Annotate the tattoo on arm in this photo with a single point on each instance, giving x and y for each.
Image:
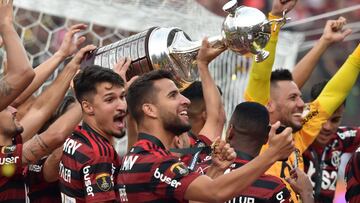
(5, 88)
(42, 143)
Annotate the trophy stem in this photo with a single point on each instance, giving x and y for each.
(183, 45)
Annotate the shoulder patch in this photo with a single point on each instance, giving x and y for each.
(179, 169)
(8, 149)
(103, 181)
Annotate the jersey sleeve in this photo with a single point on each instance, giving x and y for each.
(170, 179)
(98, 183)
(258, 88)
(341, 83)
(328, 101)
(281, 195)
(11, 160)
(314, 117)
(350, 137)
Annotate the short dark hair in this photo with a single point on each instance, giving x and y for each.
(251, 119)
(195, 91)
(142, 90)
(86, 80)
(280, 75)
(317, 89)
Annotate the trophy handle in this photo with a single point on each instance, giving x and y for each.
(279, 21)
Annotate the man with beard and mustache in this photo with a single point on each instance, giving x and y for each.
(281, 95)
(19, 145)
(150, 172)
(89, 160)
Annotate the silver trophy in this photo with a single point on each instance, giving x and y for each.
(245, 30)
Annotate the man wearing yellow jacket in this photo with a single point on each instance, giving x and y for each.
(283, 99)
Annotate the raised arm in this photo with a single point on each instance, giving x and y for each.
(51, 165)
(215, 113)
(49, 100)
(260, 73)
(338, 88)
(19, 72)
(53, 137)
(231, 184)
(44, 70)
(333, 32)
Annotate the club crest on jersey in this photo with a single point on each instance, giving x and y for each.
(103, 181)
(335, 158)
(8, 149)
(179, 169)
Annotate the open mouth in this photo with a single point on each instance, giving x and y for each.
(119, 120)
(297, 115)
(184, 114)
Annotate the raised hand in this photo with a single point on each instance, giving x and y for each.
(70, 44)
(76, 60)
(301, 184)
(223, 155)
(6, 14)
(207, 53)
(334, 32)
(121, 67)
(279, 6)
(282, 143)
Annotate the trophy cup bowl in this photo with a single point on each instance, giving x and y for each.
(246, 30)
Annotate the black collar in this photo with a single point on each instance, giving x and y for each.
(243, 156)
(86, 127)
(151, 138)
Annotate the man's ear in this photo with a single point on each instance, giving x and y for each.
(150, 110)
(177, 142)
(87, 107)
(229, 133)
(270, 106)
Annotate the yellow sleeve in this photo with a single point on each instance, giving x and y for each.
(315, 117)
(258, 87)
(328, 101)
(341, 83)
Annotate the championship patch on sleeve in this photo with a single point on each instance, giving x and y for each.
(179, 169)
(8, 149)
(104, 182)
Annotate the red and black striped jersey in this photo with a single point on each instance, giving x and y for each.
(322, 163)
(266, 189)
(12, 185)
(352, 176)
(39, 190)
(150, 173)
(88, 167)
(201, 158)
